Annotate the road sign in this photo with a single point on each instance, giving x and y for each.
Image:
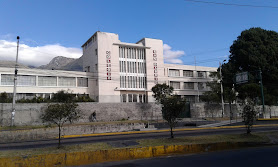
(242, 78)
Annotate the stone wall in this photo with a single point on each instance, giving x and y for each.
(203, 110)
(52, 132)
(29, 113)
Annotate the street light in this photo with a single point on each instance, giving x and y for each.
(15, 83)
(221, 81)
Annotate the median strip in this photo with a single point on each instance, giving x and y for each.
(163, 130)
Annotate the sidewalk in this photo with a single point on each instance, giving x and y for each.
(222, 123)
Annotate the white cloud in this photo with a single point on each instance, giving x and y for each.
(172, 56)
(36, 56)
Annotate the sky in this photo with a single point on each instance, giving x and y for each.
(189, 30)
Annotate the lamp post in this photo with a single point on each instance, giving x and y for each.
(221, 85)
(15, 83)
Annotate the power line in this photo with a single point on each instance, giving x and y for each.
(232, 4)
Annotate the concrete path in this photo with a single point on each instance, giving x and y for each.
(222, 123)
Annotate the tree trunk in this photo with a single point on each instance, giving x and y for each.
(231, 112)
(59, 144)
(172, 135)
(248, 130)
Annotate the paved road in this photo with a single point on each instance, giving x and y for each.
(94, 139)
(250, 157)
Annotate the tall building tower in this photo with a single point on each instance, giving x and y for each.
(123, 72)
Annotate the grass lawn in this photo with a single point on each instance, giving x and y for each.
(254, 137)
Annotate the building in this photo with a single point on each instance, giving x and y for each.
(44, 83)
(113, 72)
(126, 72)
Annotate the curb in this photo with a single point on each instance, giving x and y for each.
(100, 156)
(267, 119)
(164, 130)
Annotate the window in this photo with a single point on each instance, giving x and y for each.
(189, 98)
(187, 73)
(130, 98)
(82, 82)
(188, 85)
(87, 69)
(7, 79)
(47, 81)
(96, 52)
(26, 80)
(140, 98)
(124, 98)
(134, 97)
(175, 85)
(66, 81)
(174, 73)
(201, 74)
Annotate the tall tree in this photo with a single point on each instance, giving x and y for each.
(254, 49)
(161, 91)
(172, 108)
(172, 105)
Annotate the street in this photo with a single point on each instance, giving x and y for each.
(249, 157)
(109, 138)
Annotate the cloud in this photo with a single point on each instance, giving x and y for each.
(172, 56)
(35, 56)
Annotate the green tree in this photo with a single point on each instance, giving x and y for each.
(59, 114)
(214, 94)
(4, 98)
(249, 116)
(161, 91)
(63, 96)
(172, 105)
(172, 108)
(254, 49)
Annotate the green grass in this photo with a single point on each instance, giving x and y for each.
(254, 137)
(55, 150)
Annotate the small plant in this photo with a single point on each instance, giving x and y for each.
(249, 116)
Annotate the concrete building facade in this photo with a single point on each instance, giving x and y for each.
(126, 72)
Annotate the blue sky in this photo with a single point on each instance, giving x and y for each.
(59, 27)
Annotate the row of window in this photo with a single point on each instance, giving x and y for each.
(30, 80)
(132, 67)
(141, 98)
(132, 53)
(187, 73)
(187, 85)
(132, 82)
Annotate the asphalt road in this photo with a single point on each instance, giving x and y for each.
(250, 157)
(122, 137)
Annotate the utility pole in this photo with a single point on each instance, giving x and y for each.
(222, 100)
(15, 83)
(262, 89)
(196, 73)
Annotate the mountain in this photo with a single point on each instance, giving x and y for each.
(11, 64)
(57, 63)
(64, 63)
